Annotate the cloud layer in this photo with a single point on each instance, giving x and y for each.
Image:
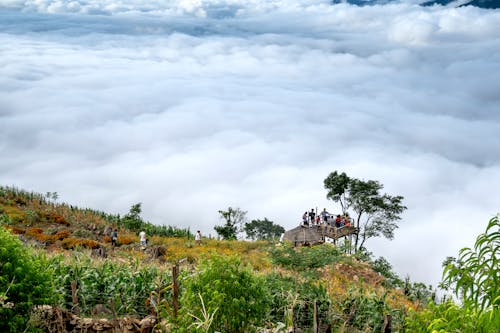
(193, 106)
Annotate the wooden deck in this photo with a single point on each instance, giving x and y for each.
(304, 235)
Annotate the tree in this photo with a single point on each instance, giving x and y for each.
(235, 218)
(384, 268)
(133, 220)
(376, 214)
(263, 229)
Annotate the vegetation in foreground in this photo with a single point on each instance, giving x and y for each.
(225, 286)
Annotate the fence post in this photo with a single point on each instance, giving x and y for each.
(74, 297)
(315, 317)
(175, 288)
(387, 326)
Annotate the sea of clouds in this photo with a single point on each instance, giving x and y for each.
(194, 106)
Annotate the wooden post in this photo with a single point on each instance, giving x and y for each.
(315, 317)
(74, 296)
(175, 289)
(350, 243)
(387, 326)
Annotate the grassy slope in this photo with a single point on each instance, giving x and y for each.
(61, 228)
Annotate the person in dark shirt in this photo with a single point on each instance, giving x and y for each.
(312, 216)
(114, 237)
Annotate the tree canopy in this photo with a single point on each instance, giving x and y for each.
(263, 229)
(235, 218)
(133, 219)
(375, 214)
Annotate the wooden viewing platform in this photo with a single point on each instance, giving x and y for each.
(305, 235)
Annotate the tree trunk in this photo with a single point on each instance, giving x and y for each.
(356, 236)
(362, 241)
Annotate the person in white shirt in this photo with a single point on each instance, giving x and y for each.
(197, 237)
(142, 238)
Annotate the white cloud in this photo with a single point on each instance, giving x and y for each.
(194, 106)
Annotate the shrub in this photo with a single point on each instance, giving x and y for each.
(302, 258)
(16, 230)
(24, 282)
(62, 234)
(59, 219)
(450, 317)
(229, 296)
(44, 238)
(125, 240)
(71, 243)
(34, 231)
(474, 277)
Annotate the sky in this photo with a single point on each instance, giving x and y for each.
(190, 107)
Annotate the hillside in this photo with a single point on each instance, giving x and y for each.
(486, 4)
(301, 288)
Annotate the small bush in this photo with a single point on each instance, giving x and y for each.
(233, 296)
(82, 233)
(62, 234)
(17, 231)
(126, 240)
(44, 238)
(34, 231)
(25, 281)
(450, 317)
(71, 243)
(303, 258)
(59, 219)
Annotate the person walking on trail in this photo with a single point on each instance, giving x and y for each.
(197, 237)
(114, 237)
(142, 238)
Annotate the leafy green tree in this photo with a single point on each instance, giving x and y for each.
(25, 281)
(475, 275)
(376, 214)
(263, 229)
(384, 268)
(223, 296)
(235, 218)
(133, 220)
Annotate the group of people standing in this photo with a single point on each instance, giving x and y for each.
(324, 218)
